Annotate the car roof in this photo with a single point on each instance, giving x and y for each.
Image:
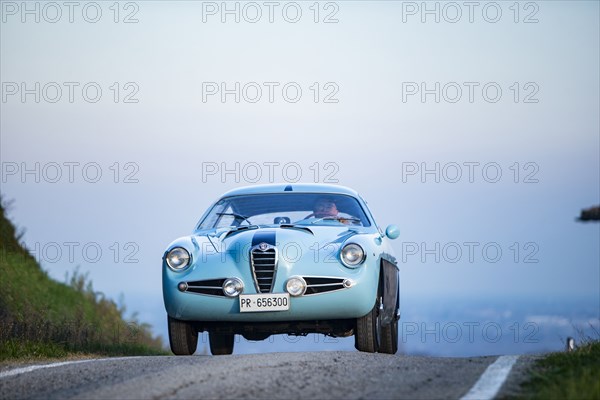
(292, 188)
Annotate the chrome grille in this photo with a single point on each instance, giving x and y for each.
(264, 266)
(212, 287)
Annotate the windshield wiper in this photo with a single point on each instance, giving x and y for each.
(236, 216)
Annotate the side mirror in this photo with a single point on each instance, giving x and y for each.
(392, 232)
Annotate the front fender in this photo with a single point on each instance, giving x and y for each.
(391, 294)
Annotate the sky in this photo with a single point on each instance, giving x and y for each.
(473, 127)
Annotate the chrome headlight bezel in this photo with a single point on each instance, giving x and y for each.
(239, 287)
(183, 253)
(302, 284)
(358, 260)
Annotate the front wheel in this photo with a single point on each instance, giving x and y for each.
(183, 338)
(389, 337)
(365, 336)
(220, 343)
(371, 336)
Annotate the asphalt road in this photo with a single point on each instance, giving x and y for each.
(343, 375)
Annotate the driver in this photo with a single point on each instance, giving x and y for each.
(324, 207)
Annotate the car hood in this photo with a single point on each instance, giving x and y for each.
(313, 237)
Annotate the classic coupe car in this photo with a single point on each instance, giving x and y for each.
(283, 259)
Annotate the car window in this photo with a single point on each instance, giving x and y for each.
(286, 208)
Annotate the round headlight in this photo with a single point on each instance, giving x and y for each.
(232, 287)
(295, 286)
(352, 255)
(178, 258)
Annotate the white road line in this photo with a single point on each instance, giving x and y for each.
(19, 371)
(491, 380)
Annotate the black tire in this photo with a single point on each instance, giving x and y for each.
(183, 338)
(365, 336)
(389, 338)
(220, 343)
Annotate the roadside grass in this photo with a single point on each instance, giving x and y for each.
(41, 318)
(573, 375)
(14, 349)
(17, 349)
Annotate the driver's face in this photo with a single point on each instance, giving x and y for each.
(325, 208)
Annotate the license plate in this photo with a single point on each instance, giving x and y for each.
(264, 302)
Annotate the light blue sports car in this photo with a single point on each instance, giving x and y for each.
(283, 259)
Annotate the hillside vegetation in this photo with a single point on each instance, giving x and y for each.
(43, 318)
(574, 375)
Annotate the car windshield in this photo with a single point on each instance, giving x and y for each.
(285, 208)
